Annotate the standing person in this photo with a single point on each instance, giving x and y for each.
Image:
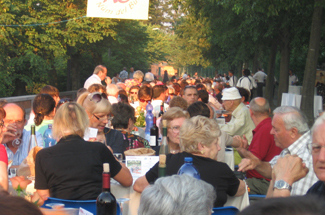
(136, 81)
(116, 78)
(97, 77)
(149, 76)
(293, 80)
(123, 75)
(72, 169)
(165, 77)
(44, 109)
(131, 73)
(260, 78)
(246, 82)
(232, 79)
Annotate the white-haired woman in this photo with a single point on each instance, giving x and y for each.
(72, 169)
(199, 139)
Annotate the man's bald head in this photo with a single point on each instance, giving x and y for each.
(14, 108)
(260, 106)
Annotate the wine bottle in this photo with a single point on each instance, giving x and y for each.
(188, 168)
(154, 133)
(106, 202)
(164, 150)
(48, 138)
(32, 139)
(161, 109)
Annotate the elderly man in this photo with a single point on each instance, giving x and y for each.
(136, 81)
(16, 115)
(292, 168)
(112, 92)
(190, 94)
(98, 76)
(291, 133)
(241, 122)
(262, 145)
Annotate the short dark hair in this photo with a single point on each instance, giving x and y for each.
(204, 96)
(200, 87)
(145, 91)
(244, 92)
(177, 88)
(198, 109)
(43, 105)
(157, 90)
(122, 113)
(246, 72)
(52, 91)
(294, 205)
(178, 101)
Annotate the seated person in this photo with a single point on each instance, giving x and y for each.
(169, 196)
(72, 169)
(123, 121)
(199, 139)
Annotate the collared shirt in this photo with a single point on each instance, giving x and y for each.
(240, 123)
(131, 75)
(299, 147)
(245, 82)
(260, 77)
(123, 75)
(233, 81)
(23, 151)
(94, 79)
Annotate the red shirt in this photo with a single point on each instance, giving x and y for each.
(3, 154)
(263, 145)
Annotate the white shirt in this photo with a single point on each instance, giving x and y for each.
(123, 75)
(292, 79)
(233, 81)
(94, 79)
(112, 99)
(185, 76)
(215, 102)
(299, 147)
(245, 82)
(156, 106)
(260, 77)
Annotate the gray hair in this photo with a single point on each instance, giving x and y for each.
(112, 90)
(293, 118)
(319, 121)
(99, 68)
(138, 75)
(261, 109)
(177, 194)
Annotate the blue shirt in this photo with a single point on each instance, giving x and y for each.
(22, 151)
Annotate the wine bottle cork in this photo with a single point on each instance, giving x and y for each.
(106, 167)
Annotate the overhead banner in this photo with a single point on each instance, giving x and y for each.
(119, 9)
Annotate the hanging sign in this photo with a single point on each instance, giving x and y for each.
(119, 9)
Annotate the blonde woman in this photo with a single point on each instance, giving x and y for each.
(199, 139)
(73, 168)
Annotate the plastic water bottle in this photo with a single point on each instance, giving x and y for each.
(189, 169)
(48, 138)
(149, 120)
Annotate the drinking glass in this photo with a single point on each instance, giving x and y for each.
(121, 201)
(17, 141)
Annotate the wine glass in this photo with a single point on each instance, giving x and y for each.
(17, 141)
(120, 202)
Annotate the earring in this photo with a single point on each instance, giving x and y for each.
(202, 152)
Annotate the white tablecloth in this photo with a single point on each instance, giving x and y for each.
(290, 99)
(295, 90)
(229, 159)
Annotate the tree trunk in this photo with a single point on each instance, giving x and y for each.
(284, 65)
(75, 71)
(307, 102)
(69, 68)
(270, 86)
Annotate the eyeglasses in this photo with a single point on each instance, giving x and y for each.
(175, 129)
(143, 100)
(133, 92)
(97, 97)
(314, 148)
(103, 118)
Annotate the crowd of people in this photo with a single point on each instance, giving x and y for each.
(274, 153)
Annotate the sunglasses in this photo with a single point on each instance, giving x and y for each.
(97, 97)
(146, 101)
(64, 100)
(133, 92)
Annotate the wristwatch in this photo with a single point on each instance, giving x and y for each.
(282, 185)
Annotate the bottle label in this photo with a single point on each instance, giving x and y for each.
(152, 141)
